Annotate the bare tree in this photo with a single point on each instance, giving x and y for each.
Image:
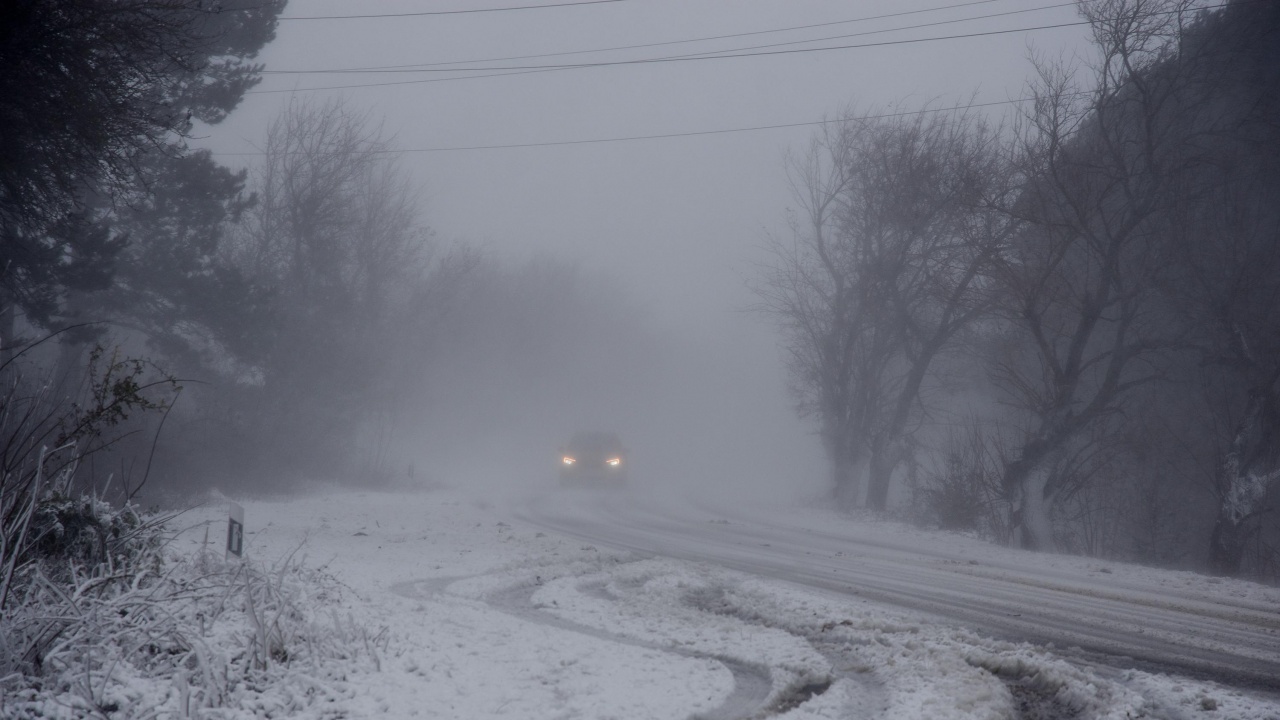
(1240, 305)
(1098, 165)
(927, 188)
(886, 269)
(1225, 235)
(334, 205)
(810, 288)
(337, 232)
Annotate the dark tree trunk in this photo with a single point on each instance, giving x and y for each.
(1016, 476)
(8, 330)
(1226, 546)
(884, 461)
(1029, 500)
(846, 477)
(847, 493)
(891, 451)
(1252, 465)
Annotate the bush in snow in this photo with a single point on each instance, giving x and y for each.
(170, 636)
(46, 433)
(963, 491)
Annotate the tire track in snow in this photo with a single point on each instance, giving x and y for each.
(752, 683)
(1234, 645)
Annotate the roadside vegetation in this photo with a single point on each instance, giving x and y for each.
(1057, 328)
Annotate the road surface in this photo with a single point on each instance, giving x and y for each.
(1105, 615)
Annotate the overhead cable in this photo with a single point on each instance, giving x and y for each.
(447, 12)
(708, 38)
(668, 136)
(519, 69)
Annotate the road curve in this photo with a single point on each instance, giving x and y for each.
(1102, 619)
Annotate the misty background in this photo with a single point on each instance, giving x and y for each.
(986, 266)
(673, 228)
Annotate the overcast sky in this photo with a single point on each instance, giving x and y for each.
(677, 221)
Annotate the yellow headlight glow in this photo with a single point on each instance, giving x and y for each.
(568, 460)
(614, 462)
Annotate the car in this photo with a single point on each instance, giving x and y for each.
(593, 458)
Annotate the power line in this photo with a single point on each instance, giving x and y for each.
(864, 33)
(449, 12)
(432, 67)
(687, 58)
(401, 82)
(668, 136)
(711, 55)
(641, 46)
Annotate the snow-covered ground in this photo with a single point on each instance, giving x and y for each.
(439, 604)
(1120, 615)
(457, 608)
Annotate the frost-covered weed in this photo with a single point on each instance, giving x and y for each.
(158, 635)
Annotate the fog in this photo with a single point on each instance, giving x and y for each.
(673, 226)
(694, 418)
(921, 325)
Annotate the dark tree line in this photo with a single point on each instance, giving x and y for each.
(106, 220)
(359, 342)
(1062, 331)
(297, 321)
(96, 97)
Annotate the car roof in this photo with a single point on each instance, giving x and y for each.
(595, 438)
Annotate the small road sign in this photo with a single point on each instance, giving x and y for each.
(235, 530)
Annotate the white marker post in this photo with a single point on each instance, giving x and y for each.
(235, 530)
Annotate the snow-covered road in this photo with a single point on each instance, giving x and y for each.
(475, 604)
(1094, 612)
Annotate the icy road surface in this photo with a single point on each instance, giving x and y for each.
(1096, 612)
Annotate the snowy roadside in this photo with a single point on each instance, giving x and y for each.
(452, 610)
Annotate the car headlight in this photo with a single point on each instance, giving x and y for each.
(614, 461)
(568, 460)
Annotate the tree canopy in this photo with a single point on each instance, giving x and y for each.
(90, 91)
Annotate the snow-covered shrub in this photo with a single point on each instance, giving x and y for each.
(169, 636)
(46, 432)
(88, 532)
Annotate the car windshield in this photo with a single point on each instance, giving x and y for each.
(595, 442)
